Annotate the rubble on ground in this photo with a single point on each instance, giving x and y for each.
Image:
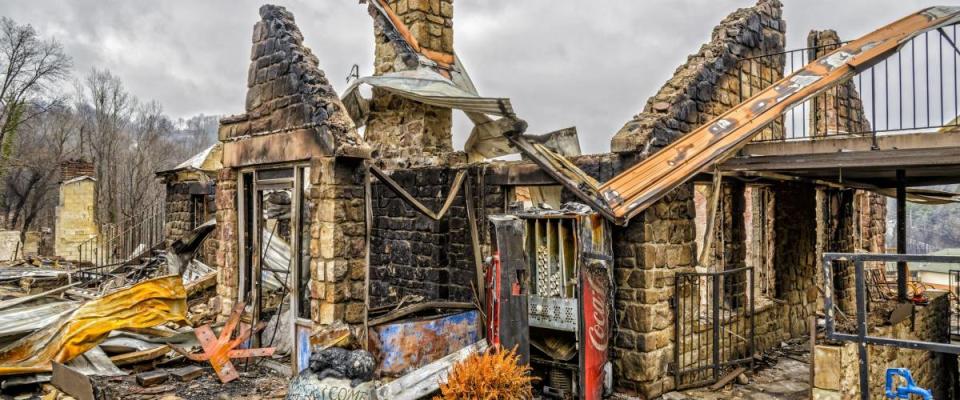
(75, 330)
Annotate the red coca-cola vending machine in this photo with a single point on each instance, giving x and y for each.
(549, 290)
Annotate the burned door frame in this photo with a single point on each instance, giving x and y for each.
(296, 183)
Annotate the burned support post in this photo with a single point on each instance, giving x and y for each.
(901, 234)
(509, 315)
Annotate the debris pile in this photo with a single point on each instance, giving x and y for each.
(127, 330)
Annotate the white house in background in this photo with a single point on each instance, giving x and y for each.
(936, 274)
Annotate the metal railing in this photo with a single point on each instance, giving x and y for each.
(117, 244)
(861, 337)
(954, 302)
(916, 89)
(714, 324)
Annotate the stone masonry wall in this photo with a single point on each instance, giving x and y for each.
(286, 88)
(795, 255)
(227, 240)
(839, 109)
(713, 80)
(287, 91)
(412, 254)
(76, 217)
(837, 372)
(338, 245)
(648, 253)
(399, 130)
(177, 206)
(180, 215)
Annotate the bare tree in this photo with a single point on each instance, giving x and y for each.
(30, 68)
(150, 149)
(30, 184)
(200, 131)
(106, 108)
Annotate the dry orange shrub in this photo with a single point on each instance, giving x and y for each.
(493, 375)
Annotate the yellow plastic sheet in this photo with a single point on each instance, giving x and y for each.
(146, 304)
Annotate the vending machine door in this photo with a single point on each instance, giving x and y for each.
(596, 269)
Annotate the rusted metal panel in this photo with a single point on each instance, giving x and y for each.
(421, 383)
(147, 304)
(219, 350)
(508, 283)
(408, 345)
(642, 185)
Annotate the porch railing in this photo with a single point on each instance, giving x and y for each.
(916, 89)
(127, 240)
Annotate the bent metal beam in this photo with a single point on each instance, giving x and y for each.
(635, 189)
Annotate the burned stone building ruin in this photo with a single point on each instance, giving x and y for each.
(319, 220)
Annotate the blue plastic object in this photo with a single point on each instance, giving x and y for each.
(904, 392)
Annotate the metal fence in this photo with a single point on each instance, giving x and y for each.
(913, 90)
(861, 337)
(117, 244)
(714, 326)
(954, 302)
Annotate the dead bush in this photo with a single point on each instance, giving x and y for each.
(493, 375)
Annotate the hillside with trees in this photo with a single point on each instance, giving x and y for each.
(50, 113)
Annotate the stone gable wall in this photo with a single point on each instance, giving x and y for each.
(712, 80)
(286, 88)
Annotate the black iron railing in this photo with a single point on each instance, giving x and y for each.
(914, 90)
(714, 326)
(120, 243)
(954, 303)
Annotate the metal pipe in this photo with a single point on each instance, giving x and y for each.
(901, 234)
(862, 333)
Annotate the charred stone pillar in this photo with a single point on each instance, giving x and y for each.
(838, 110)
(648, 253)
(404, 132)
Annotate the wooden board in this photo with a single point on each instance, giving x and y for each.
(72, 382)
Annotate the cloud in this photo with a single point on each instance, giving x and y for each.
(562, 63)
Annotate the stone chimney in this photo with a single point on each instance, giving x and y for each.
(71, 169)
(76, 209)
(838, 110)
(401, 131)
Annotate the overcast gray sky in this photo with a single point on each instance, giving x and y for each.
(562, 63)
